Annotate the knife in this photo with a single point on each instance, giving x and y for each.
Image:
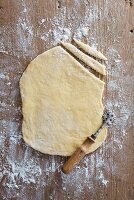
(108, 119)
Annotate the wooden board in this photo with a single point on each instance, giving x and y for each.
(28, 28)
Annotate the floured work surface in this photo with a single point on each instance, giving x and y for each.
(28, 28)
(62, 102)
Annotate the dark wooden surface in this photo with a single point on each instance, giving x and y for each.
(28, 28)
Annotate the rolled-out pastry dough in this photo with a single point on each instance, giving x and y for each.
(61, 104)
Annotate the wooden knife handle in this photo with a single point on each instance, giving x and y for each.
(73, 160)
(77, 156)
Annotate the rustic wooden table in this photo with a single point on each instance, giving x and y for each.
(27, 29)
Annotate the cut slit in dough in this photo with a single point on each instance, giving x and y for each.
(61, 104)
(85, 58)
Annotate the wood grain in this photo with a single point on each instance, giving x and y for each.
(108, 172)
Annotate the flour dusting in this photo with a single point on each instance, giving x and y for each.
(59, 32)
(24, 33)
(81, 32)
(102, 179)
(20, 165)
